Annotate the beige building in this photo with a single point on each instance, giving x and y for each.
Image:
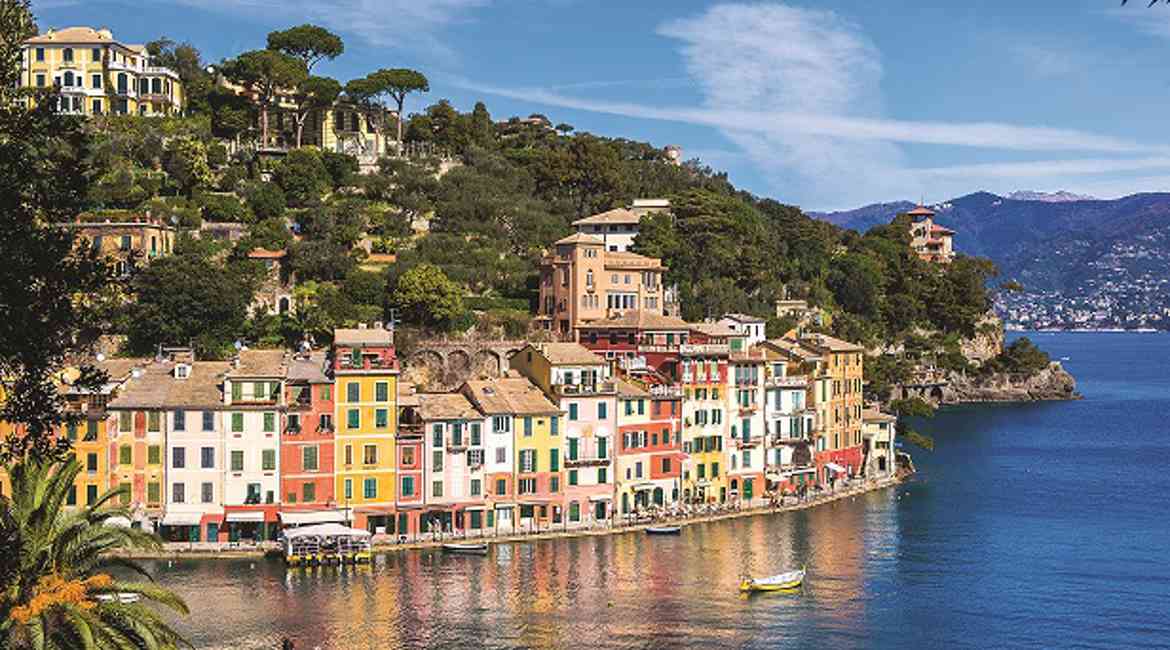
(582, 282)
(932, 242)
(127, 241)
(618, 228)
(98, 75)
(837, 400)
(275, 295)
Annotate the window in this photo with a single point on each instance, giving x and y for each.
(381, 392)
(528, 460)
(91, 494)
(309, 458)
(353, 418)
(206, 492)
(573, 412)
(308, 492)
(237, 422)
(407, 486)
(71, 496)
(601, 447)
(638, 469)
(91, 462)
(40, 54)
(476, 487)
(237, 460)
(71, 430)
(349, 454)
(437, 460)
(475, 457)
(153, 421)
(501, 486)
(476, 435)
(178, 493)
(437, 488)
(554, 484)
(501, 455)
(527, 486)
(554, 426)
(747, 459)
(67, 54)
(456, 434)
(125, 421)
(153, 492)
(154, 455)
(573, 449)
(179, 457)
(602, 475)
(208, 421)
(269, 422)
(370, 488)
(572, 477)
(325, 422)
(701, 471)
(437, 435)
(527, 426)
(714, 470)
(95, 55)
(268, 460)
(348, 489)
(40, 80)
(370, 454)
(554, 460)
(207, 457)
(501, 423)
(180, 420)
(665, 465)
(124, 493)
(292, 422)
(124, 455)
(380, 418)
(602, 410)
(352, 391)
(327, 393)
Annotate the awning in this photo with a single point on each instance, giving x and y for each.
(600, 497)
(182, 519)
(252, 516)
(644, 487)
(835, 467)
(772, 476)
(470, 508)
(313, 517)
(505, 506)
(120, 522)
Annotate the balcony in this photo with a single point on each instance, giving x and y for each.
(587, 462)
(799, 381)
(750, 443)
(632, 363)
(367, 363)
(662, 390)
(706, 349)
(299, 405)
(599, 388)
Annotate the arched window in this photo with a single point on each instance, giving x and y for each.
(589, 278)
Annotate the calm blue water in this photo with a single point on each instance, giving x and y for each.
(1036, 525)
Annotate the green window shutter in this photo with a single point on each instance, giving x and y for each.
(326, 393)
(601, 442)
(476, 434)
(573, 411)
(382, 392)
(354, 418)
(152, 421)
(629, 407)
(125, 453)
(153, 455)
(237, 422)
(348, 488)
(269, 422)
(380, 418)
(237, 460)
(353, 392)
(237, 391)
(641, 407)
(572, 449)
(555, 423)
(572, 477)
(268, 458)
(125, 421)
(528, 425)
(602, 410)
(554, 460)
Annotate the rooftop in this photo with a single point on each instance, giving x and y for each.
(568, 354)
(617, 215)
(579, 238)
(265, 254)
(74, 35)
(156, 387)
(921, 211)
(362, 337)
(513, 395)
(713, 329)
(260, 363)
(627, 389)
(310, 369)
(744, 318)
(446, 406)
(874, 415)
(640, 320)
(831, 344)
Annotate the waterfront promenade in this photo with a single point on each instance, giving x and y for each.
(389, 544)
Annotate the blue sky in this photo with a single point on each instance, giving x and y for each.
(823, 105)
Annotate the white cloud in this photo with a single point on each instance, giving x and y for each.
(1048, 168)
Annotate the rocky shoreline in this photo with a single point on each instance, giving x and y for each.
(1053, 383)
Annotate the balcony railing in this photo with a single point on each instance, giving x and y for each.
(632, 363)
(704, 349)
(799, 381)
(588, 462)
(586, 389)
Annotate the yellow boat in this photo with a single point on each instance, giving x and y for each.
(782, 582)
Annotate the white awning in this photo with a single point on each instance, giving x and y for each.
(313, 517)
(643, 487)
(600, 497)
(773, 476)
(835, 467)
(248, 516)
(505, 506)
(470, 508)
(325, 530)
(182, 518)
(121, 522)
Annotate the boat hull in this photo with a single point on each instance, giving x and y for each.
(470, 549)
(666, 530)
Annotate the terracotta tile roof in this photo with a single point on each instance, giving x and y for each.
(309, 369)
(617, 215)
(119, 367)
(627, 389)
(941, 230)
(753, 355)
(792, 347)
(830, 343)
(565, 354)
(874, 415)
(744, 318)
(714, 329)
(407, 395)
(641, 320)
(73, 35)
(578, 238)
(359, 337)
(261, 363)
(921, 211)
(157, 388)
(446, 406)
(509, 395)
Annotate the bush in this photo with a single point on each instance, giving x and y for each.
(230, 179)
(1022, 357)
(514, 323)
(266, 200)
(223, 208)
(495, 303)
(217, 155)
(342, 167)
(303, 177)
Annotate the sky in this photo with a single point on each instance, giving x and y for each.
(825, 105)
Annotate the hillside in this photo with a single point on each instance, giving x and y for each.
(1082, 263)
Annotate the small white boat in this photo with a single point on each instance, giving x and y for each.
(466, 549)
(123, 597)
(663, 530)
(781, 582)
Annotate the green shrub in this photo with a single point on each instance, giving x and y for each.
(266, 200)
(223, 208)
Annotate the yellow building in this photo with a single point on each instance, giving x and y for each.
(365, 372)
(99, 75)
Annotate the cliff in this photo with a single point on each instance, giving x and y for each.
(1051, 383)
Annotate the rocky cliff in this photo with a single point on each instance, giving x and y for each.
(1052, 383)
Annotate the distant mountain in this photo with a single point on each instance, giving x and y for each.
(1104, 260)
(1059, 196)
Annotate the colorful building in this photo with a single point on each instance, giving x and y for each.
(649, 459)
(137, 437)
(410, 445)
(365, 371)
(97, 74)
(878, 433)
(837, 399)
(930, 241)
(789, 422)
(307, 445)
(453, 459)
(254, 405)
(747, 446)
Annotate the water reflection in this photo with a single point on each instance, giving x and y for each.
(629, 590)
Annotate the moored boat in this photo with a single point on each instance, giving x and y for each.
(467, 549)
(663, 530)
(781, 582)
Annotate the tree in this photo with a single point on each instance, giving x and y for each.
(189, 297)
(56, 593)
(47, 272)
(265, 74)
(314, 94)
(187, 61)
(231, 114)
(425, 296)
(309, 43)
(303, 177)
(185, 160)
(392, 83)
(265, 200)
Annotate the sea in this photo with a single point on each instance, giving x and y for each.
(1036, 525)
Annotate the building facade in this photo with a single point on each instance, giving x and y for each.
(930, 241)
(307, 447)
(254, 405)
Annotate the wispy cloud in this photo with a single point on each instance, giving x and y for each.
(1048, 168)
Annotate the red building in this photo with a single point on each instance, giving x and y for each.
(639, 343)
(306, 445)
(410, 444)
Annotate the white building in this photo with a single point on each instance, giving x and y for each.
(748, 436)
(753, 327)
(618, 227)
